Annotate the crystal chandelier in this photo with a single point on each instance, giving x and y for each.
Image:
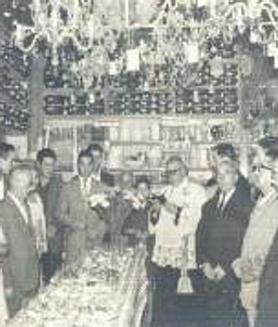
(57, 22)
(181, 28)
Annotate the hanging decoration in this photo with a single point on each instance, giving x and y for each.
(181, 30)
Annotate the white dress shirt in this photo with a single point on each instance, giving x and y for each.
(86, 187)
(39, 222)
(224, 198)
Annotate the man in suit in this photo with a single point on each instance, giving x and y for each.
(267, 299)
(85, 226)
(218, 243)
(7, 156)
(49, 189)
(261, 229)
(20, 266)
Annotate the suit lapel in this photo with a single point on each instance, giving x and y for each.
(231, 203)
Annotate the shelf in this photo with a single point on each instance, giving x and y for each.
(131, 143)
(102, 117)
(151, 170)
(208, 87)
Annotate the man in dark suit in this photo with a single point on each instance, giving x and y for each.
(218, 243)
(49, 188)
(21, 266)
(85, 225)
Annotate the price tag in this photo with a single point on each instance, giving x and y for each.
(133, 60)
(193, 54)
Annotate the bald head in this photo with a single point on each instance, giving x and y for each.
(20, 179)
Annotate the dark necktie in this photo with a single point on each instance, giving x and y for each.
(221, 205)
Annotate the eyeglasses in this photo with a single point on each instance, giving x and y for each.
(258, 168)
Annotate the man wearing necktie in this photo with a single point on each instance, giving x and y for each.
(85, 226)
(219, 239)
(21, 264)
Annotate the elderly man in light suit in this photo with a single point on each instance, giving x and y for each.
(261, 230)
(84, 225)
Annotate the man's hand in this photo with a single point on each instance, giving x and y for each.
(219, 272)
(249, 272)
(208, 271)
(172, 208)
(236, 265)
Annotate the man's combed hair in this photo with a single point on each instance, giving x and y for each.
(226, 150)
(95, 147)
(270, 146)
(85, 154)
(46, 153)
(5, 149)
(142, 180)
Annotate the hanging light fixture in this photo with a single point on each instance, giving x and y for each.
(180, 26)
(57, 22)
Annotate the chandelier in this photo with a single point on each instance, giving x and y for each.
(181, 28)
(59, 22)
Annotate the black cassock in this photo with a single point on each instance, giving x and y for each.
(218, 242)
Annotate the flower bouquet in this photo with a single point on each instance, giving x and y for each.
(100, 199)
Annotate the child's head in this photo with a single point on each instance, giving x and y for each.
(143, 186)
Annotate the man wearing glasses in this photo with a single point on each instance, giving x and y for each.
(267, 299)
(262, 227)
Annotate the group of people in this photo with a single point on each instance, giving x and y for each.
(215, 241)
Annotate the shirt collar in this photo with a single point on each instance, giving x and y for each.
(226, 196)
